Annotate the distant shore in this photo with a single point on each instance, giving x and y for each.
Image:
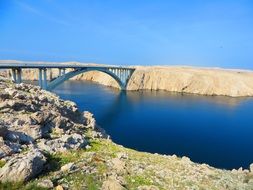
(182, 79)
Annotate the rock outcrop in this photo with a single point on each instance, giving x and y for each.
(204, 81)
(23, 167)
(35, 123)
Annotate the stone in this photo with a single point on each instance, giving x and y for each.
(90, 121)
(23, 167)
(47, 183)
(112, 184)
(251, 168)
(240, 170)
(68, 167)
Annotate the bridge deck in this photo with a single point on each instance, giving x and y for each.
(57, 65)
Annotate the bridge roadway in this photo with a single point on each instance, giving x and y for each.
(119, 73)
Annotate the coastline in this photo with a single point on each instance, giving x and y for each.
(182, 79)
(94, 160)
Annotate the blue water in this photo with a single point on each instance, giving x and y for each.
(213, 130)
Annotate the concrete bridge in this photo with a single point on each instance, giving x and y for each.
(120, 74)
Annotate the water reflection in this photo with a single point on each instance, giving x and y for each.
(185, 98)
(115, 109)
(125, 100)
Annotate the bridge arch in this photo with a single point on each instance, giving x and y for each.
(121, 76)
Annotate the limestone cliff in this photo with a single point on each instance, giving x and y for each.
(184, 79)
(204, 81)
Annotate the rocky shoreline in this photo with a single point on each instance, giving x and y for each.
(47, 143)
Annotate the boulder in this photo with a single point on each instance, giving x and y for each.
(23, 167)
(251, 168)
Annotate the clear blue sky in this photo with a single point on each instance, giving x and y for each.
(129, 32)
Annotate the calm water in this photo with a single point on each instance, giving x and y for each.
(213, 130)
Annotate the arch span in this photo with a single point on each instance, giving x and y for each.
(121, 76)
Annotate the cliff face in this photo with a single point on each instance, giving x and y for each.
(204, 81)
(193, 80)
(184, 79)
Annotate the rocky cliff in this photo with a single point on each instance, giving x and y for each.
(49, 144)
(204, 81)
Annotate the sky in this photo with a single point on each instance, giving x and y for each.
(208, 33)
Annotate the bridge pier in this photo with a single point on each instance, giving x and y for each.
(40, 78)
(62, 72)
(44, 86)
(43, 78)
(59, 74)
(123, 75)
(17, 75)
(50, 74)
(14, 75)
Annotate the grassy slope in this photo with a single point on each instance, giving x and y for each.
(165, 172)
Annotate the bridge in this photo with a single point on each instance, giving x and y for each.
(67, 71)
